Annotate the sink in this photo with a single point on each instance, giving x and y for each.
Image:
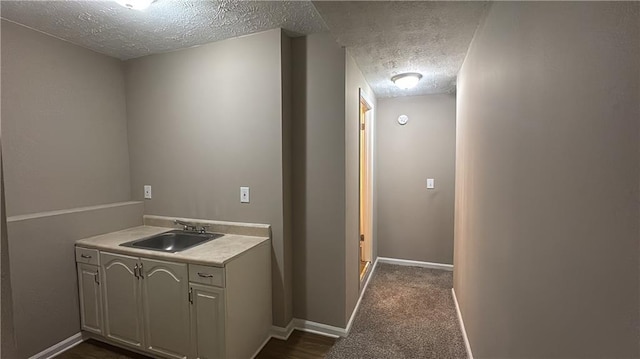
(173, 241)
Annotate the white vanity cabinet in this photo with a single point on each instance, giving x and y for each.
(89, 290)
(177, 310)
(207, 321)
(165, 302)
(146, 304)
(121, 293)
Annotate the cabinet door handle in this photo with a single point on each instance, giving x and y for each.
(85, 256)
(135, 271)
(191, 295)
(96, 277)
(205, 275)
(140, 271)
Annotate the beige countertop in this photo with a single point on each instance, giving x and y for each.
(213, 253)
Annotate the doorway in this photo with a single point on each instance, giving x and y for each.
(365, 183)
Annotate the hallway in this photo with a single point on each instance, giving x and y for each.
(406, 312)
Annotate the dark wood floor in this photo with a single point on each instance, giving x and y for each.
(92, 349)
(300, 345)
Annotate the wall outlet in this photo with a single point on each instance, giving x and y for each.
(244, 194)
(431, 183)
(147, 192)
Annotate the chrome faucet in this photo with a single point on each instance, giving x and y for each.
(186, 226)
(191, 227)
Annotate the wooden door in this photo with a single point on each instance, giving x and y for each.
(90, 298)
(121, 291)
(207, 321)
(165, 297)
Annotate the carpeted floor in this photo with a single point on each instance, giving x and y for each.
(406, 312)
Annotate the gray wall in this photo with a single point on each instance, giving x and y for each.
(43, 271)
(414, 222)
(286, 65)
(354, 81)
(64, 124)
(546, 236)
(7, 339)
(319, 175)
(64, 146)
(326, 173)
(204, 121)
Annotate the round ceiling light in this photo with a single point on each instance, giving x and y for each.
(135, 4)
(407, 80)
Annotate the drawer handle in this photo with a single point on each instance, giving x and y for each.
(85, 256)
(205, 275)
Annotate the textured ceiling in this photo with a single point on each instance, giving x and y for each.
(384, 37)
(108, 28)
(391, 37)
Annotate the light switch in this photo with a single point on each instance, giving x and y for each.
(147, 192)
(431, 183)
(244, 194)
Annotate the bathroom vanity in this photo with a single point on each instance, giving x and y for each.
(212, 300)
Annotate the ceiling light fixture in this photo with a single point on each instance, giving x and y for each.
(135, 4)
(407, 80)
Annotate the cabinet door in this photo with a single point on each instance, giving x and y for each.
(90, 298)
(121, 290)
(165, 296)
(207, 321)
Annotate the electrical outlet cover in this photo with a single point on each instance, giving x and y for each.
(431, 183)
(147, 192)
(244, 194)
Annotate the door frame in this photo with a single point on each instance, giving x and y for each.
(365, 100)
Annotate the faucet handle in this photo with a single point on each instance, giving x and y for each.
(185, 226)
(203, 229)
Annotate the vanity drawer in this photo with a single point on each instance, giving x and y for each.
(206, 275)
(88, 256)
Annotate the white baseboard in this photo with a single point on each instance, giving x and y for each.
(58, 348)
(464, 331)
(261, 347)
(331, 331)
(319, 328)
(355, 310)
(282, 333)
(406, 262)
